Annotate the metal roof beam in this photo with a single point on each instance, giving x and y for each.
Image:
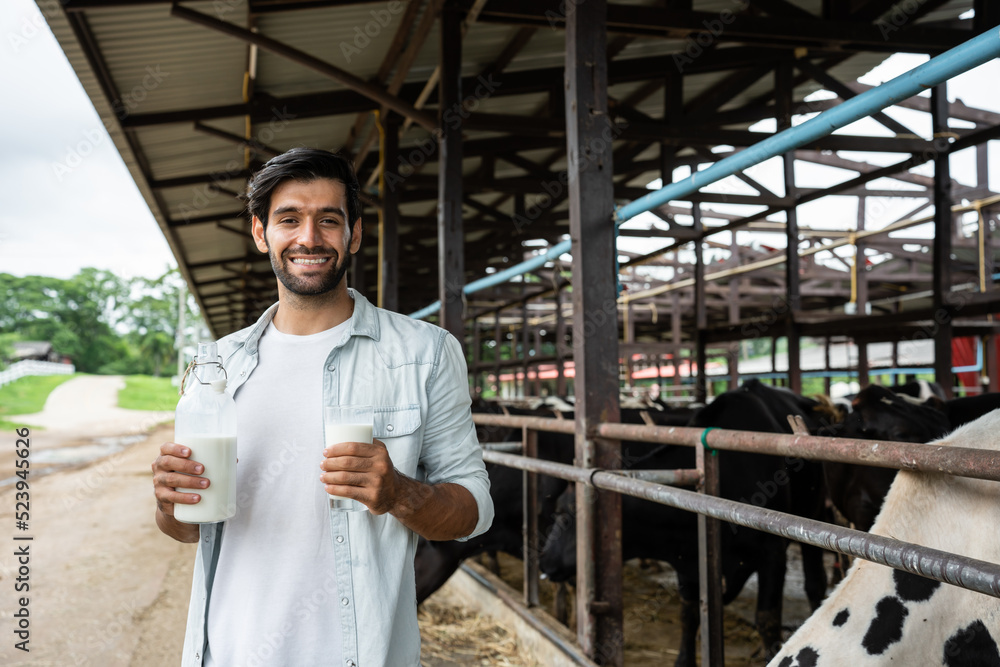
(371, 91)
(793, 32)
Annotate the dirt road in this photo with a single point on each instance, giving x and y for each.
(98, 567)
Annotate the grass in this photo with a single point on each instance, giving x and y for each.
(27, 396)
(145, 392)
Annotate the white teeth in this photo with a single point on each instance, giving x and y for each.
(308, 261)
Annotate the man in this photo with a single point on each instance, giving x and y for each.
(288, 581)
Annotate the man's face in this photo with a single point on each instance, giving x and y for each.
(308, 236)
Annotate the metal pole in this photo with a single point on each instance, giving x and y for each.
(451, 241)
(700, 310)
(388, 230)
(532, 550)
(710, 570)
(595, 329)
(783, 103)
(943, 230)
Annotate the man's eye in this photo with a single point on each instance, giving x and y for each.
(330, 221)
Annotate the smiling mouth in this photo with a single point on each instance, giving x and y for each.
(310, 262)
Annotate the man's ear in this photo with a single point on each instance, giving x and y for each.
(355, 236)
(257, 229)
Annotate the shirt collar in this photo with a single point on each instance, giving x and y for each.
(364, 322)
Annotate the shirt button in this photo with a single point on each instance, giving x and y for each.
(340, 538)
(242, 373)
(345, 601)
(331, 368)
(350, 663)
(388, 427)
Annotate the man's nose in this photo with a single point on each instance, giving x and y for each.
(309, 234)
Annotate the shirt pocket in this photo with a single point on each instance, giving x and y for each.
(399, 429)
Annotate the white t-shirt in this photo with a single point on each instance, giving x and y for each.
(274, 596)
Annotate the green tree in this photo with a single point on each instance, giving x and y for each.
(103, 323)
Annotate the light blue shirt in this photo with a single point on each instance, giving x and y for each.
(415, 374)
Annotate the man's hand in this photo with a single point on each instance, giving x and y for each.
(172, 468)
(365, 473)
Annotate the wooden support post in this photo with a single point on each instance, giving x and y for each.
(863, 367)
(525, 357)
(734, 318)
(943, 230)
(358, 273)
(451, 250)
(860, 268)
(498, 337)
(827, 381)
(784, 99)
(477, 355)
(538, 355)
(388, 229)
(560, 346)
(595, 329)
(710, 576)
(675, 335)
(532, 549)
(700, 310)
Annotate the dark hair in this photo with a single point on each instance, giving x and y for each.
(302, 164)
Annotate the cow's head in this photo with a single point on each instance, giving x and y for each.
(879, 414)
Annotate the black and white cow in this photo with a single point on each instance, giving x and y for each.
(880, 616)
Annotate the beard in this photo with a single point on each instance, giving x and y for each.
(309, 285)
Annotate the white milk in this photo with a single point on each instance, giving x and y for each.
(347, 433)
(218, 501)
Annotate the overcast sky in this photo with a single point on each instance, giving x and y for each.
(58, 215)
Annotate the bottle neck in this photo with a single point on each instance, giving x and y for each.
(208, 372)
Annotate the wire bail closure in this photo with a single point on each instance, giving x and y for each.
(194, 363)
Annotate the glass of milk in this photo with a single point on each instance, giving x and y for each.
(347, 423)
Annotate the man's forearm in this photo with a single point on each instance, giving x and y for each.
(435, 512)
(180, 531)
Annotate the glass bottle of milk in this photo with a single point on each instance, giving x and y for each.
(205, 422)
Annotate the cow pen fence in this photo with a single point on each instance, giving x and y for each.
(955, 569)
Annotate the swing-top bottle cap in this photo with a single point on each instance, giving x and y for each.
(208, 352)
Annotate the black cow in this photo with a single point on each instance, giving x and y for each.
(967, 409)
(652, 530)
(435, 562)
(879, 414)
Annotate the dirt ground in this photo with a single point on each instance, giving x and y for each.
(652, 607)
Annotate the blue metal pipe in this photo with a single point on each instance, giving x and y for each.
(960, 59)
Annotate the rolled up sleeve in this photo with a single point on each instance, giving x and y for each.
(451, 453)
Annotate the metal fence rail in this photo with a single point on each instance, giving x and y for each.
(969, 573)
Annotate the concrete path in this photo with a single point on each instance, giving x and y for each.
(88, 407)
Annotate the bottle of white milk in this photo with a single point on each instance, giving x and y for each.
(205, 422)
